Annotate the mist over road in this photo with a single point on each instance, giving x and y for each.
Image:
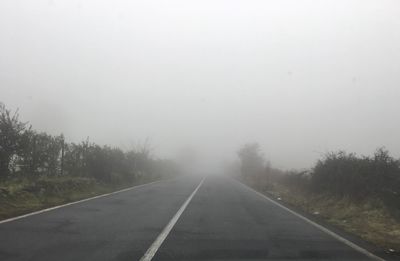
(223, 221)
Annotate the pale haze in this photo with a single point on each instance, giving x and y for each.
(300, 77)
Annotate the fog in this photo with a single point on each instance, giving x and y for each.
(299, 77)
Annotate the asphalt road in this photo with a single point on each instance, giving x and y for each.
(223, 221)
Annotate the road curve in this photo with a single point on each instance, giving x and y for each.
(223, 220)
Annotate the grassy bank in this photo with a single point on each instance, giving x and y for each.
(40, 170)
(368, 219)
(21, 196)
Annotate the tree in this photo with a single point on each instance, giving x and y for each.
(252, 161)
(11, 130)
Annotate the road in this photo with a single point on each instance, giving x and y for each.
(224, 220)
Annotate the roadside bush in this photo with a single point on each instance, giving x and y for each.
(342, 175)
(347, 175)
(35, 155)
(296, 179)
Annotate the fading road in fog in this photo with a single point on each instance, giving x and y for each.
(223, 221)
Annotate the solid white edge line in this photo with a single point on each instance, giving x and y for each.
(164, 233)
(327, 231)
(76, 202)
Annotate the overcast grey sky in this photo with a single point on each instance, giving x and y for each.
(300, 77)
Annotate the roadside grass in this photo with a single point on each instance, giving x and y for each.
(369, 219)
(21, 195)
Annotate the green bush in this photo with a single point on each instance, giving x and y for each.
(38, 155)
(346, 174)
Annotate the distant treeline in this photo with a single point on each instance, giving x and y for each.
(25, 152)
(340, 174)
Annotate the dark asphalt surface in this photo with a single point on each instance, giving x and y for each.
(118, 227)
(224, 221)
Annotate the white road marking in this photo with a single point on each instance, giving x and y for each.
(164, 233)
(327, 231)
(76, 202)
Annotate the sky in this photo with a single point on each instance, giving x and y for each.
(299, 77)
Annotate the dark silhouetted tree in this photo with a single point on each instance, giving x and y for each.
(252, 161)
(11, 129)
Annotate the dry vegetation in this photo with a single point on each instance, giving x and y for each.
(39, 170)
(22, 195)
(369, 219)
(360, 195)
